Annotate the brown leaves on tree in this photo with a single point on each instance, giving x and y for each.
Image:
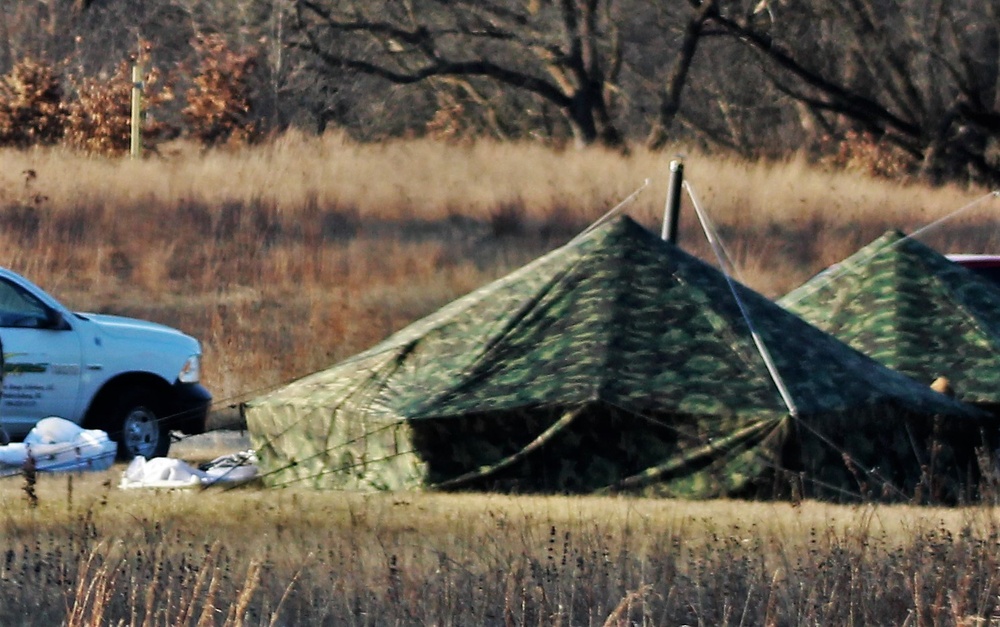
(220, 103)
(100, 119)
(35, 110)
(31, 105)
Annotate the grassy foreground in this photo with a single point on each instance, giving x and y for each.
(91, 554)
(291, 256)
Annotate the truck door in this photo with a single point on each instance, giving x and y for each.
(42, 361)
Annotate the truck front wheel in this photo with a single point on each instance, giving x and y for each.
(137, 425)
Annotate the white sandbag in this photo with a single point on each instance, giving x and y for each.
(57, 445)
(166, 472)
(53, 430)
(14, 455)
(160, 472)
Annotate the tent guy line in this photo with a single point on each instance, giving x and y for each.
(715, 242)
(612, 212)
(839, 269)
(727, 267)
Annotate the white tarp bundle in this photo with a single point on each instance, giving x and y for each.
(56, 444)
(166, 472)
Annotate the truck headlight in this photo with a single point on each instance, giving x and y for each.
(191, 370)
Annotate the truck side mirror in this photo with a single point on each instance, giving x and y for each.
(54, 320)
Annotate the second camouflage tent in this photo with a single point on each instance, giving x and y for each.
(912, 309)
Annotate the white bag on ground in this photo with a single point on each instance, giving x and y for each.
(160, 472)
(56, 444)
(166, 472)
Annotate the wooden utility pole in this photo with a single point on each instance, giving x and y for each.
(135, 149)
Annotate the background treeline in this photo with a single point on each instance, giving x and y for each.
(900, 88)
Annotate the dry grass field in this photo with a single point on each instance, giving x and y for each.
(90, 554)
(288, 257)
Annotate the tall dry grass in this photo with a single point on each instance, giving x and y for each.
(290, 256)
(90, 554)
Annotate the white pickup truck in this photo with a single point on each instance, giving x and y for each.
(136, 380)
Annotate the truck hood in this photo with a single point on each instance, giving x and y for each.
(132, 328)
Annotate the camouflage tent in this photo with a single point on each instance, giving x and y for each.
(618, 363)
(913, 310)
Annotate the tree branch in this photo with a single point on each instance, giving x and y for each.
(838, 98)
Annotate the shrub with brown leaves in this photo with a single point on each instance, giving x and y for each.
(219, 105)
(864, 153)
(32, 110)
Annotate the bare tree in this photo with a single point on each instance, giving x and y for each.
(567, 53)
(921, 75)
(677, 77)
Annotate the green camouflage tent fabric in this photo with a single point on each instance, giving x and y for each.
(913, 310)
(615, 363)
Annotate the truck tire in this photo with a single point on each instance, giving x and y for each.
(136, 423)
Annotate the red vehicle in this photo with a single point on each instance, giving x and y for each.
(986, 265)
